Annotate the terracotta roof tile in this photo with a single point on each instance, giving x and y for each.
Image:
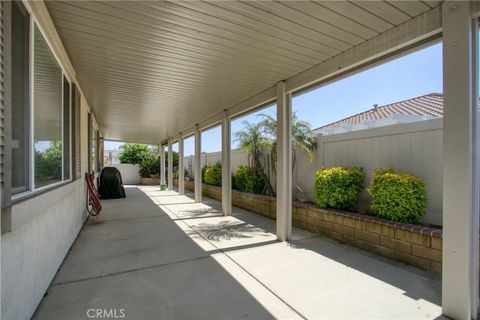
(427, 105)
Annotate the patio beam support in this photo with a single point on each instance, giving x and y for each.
(198, 165)
(284, 163)
(226, 166)
(170, 165)
(162, 164)
(181, 172)
(460, 163)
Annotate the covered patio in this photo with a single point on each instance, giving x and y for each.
(76, 73)
(158, 254)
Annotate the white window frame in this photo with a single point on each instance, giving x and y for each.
(30, 188)
(476, 160)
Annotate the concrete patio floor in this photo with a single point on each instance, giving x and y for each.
(159, 255)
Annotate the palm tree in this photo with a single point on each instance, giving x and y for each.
(257, 138)
(253, 142)
(303, 136)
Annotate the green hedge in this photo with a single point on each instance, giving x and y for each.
(338, 187)
(397, 197)
(135, 153)
(248, 179)
(150, 167)
(212, 174)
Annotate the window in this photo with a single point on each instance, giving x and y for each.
(75, 131)
(94, 149)
(41, 138)
(47, 103)
(66, 129)
(93, 132)
(20, 98)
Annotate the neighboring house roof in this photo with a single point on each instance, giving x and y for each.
(427, 106)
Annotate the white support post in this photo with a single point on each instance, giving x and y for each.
(181, 171)
(460, 163)
(226, 166)
(198, 165)
(170, 165)
(284, 163)
(162, 164)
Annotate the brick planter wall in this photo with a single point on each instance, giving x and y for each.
(413, 244)
(150, 181)
(207, 190)
(417, 245)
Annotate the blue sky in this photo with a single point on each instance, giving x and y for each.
(407, 77)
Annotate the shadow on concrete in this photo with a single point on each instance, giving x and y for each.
(191, 214)
(245, 246)
(369, 269)
(198, 217)
(415, 283)
(425, 287)
(176, 203)
(148, 267)
(226, 230)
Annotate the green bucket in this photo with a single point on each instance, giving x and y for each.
(163, 186)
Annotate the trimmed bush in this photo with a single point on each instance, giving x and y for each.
(212, 174)
(248, 179)
(135, 153)
(150, 167)
(397, 197)
(338, 188)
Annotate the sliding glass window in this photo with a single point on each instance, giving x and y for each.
(48, 114)
(41, 125)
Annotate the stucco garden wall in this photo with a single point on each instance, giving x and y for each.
(130, 172)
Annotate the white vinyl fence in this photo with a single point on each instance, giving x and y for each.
(414, 148)
(238, 158)
(130, 172)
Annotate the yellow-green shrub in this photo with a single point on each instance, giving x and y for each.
(338, 187)
(248, 179)
(212, 174)
(397, 197)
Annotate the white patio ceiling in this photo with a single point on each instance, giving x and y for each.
(152, 69)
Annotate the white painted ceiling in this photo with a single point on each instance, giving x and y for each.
(150, 69)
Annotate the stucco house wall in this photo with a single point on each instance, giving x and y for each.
(44, 226)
